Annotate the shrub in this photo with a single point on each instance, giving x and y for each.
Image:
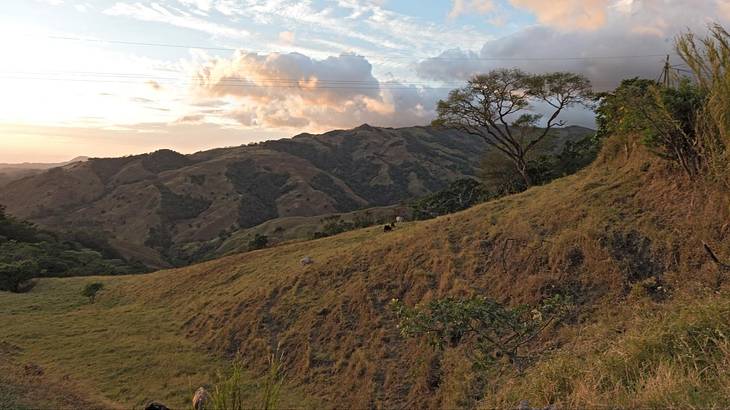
(14, 274)
(460, 195)
(258, 242)
(91, 290)
(490, 328)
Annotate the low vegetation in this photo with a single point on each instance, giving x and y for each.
(499, 178)
(91, 290)
(492, 330)
(27, 252)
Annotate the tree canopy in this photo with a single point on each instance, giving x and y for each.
(498, 107)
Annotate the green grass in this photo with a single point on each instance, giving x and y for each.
(112, 344)
(119, 349)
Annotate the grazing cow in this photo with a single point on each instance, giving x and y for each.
(400, 219)
(388, 228)
(200, 399)
(306, 261)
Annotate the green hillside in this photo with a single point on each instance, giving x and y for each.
(623, 237)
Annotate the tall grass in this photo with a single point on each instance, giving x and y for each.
(709, 60)
(231, 392)
(674, 359)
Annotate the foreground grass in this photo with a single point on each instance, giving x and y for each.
(117, 352)
(111, 345)
(659, 356)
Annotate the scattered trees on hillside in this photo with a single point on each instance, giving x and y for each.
(460, 195)
(499, 178)
(27, 252)
(496, 107)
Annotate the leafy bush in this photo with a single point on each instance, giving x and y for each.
(91, 290)
(14, 274)
(664, 117)
(689, 123)
(258, 242)
(460, 195)
(491, 329)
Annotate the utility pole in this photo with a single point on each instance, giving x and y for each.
(666, 72)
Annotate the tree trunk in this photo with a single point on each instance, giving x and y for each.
(522, 169)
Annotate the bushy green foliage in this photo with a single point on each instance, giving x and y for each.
(687, 122)
(665, 118)
(14, 274)
(259, 241)
(496, 108)
(616, 113)
(492, 329)
(460, 195)
(27, 252)
(334, 225)
(91, 290)
(499, 178)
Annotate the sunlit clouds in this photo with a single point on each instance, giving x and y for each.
(94, 77)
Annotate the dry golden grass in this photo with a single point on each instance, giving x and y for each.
(591, 235)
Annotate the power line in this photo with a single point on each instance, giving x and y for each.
(230, 80)
(513, 58)
(303, 86)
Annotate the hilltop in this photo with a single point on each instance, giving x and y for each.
(623, 237)
(14, 172)
(161, 208)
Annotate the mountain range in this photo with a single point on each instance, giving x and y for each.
(160, 208)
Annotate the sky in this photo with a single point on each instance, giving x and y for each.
(111, 78)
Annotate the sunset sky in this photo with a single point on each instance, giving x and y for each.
(110, 78)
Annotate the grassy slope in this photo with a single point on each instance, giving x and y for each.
(594, 234)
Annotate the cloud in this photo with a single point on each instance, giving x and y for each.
(157, 13)
(286, 37)
(567, 14)
(640, 32)
(460, 7)
(295, 91)
(191, 119)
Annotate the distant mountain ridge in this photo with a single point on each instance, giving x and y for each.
(12, 172)
(155, 207)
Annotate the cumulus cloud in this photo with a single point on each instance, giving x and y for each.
(640, 32)
(295, 91)
(286, 37)
(567, 14)
(460, 7)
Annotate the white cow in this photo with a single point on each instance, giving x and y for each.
(400, 219)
